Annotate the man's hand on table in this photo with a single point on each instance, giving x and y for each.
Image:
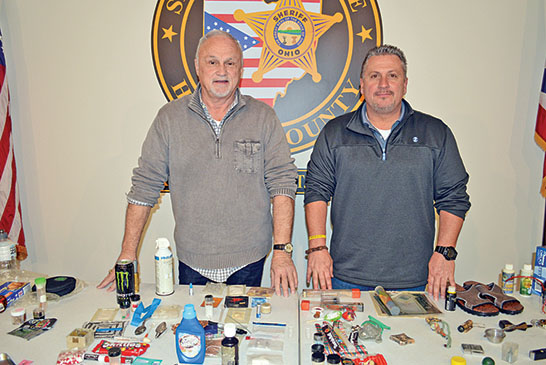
(441, 273)
(320, 268)
(283, 274)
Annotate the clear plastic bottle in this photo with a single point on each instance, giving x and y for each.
(190, 338)
(508, 283)
(164, 281)
(230, 346)
(41, 294)
(526, 283)
(8, 253)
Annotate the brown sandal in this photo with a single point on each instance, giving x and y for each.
(470, 300)
(505, 303)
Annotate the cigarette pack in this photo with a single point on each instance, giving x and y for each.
(14, 290)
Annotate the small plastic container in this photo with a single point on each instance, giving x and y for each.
(209, 306)
(317, 358)
(451, 298)
(333, 359)
(135, 301)
(507, 281)
(510, 352)
(114, 356)
(317, 347)
(41, 294)
(18, 316)
(526, 282)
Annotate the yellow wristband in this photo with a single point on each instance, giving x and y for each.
(317, 236)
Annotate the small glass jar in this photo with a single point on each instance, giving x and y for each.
(38, 313)
(18, 316)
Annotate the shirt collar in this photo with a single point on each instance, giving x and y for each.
(205, 109)
(367, 122)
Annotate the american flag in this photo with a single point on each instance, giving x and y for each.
(10, 206)
(219, 15)
(540, 129)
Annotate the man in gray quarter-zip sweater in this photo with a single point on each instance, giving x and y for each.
(386, 168)
(227, 161)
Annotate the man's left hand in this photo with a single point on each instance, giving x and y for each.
(283, 274)
(441, 273)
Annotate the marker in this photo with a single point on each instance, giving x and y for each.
(269, 324)
(104, 359)
(191, 289)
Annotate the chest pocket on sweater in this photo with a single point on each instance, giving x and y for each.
(248, 156)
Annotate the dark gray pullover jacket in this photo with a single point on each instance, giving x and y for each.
(382, 210)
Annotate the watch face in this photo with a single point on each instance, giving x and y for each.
(288, 247)
(448, 252)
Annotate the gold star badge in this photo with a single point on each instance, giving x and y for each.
(289, 34)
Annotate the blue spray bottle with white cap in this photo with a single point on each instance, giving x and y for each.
(190, 338)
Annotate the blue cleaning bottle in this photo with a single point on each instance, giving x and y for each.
(190, 338)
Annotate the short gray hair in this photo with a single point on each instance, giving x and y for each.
(218, 33)
(384, 50)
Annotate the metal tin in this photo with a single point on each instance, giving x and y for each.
(125, 281)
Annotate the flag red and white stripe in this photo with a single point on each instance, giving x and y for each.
(10, 205)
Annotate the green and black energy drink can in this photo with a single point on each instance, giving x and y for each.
(125, 281)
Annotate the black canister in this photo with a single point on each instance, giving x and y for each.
(451, 298)
(317, 358)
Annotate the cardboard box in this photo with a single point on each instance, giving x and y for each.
(540, 269)
(14, 290)
(80, 338)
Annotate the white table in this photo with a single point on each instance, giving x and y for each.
(429, 346)
(73, 312)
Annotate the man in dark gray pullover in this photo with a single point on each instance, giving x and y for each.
(386, 168)
(226, 158)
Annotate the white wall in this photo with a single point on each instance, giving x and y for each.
(84, 92)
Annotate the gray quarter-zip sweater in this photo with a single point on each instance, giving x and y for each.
(220, 186)
(383, 201)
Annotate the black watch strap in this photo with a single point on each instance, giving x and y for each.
(448, 252)
(286, 247)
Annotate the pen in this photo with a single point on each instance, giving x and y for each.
(108, 329)
(269, 324)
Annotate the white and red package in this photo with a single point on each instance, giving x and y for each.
(128, 348)
(70, 357)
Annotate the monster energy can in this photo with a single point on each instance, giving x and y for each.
(125, 281)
